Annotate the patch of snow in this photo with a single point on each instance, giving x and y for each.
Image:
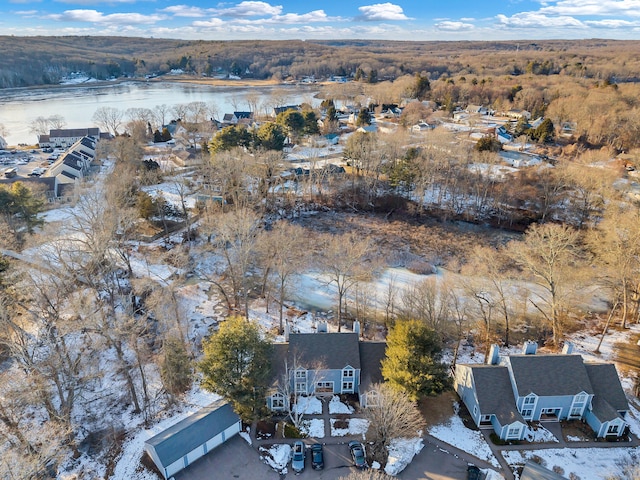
(401, 452)
(355, 426)
(455, 433)
(277, 456)
(585, 463)
(539, 434)
(336, 406)
(375, 465)
(246, 436)
(313, 428)
(308, 406)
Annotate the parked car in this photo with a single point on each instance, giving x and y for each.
(297, 461)
(317, 457)
(473, 473)
(357, 454)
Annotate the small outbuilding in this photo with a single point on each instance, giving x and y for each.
(185, 442)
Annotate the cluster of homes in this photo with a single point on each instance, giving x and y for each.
(59, 180)
(502, 395)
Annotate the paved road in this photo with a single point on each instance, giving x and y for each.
(237, 460)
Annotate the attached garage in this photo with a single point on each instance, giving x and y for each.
(185, 442)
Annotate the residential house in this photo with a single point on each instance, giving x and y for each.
(421, 127)
(65, 137)
(324, 364)
(182, 444)
(278, 110)
(75, 163)
(511, 390)
(503, 135)
(477, 109)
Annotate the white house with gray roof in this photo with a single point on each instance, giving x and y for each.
(511, 390)
(185, 442)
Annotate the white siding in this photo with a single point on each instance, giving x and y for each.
(195, 454)
(214, 442)
(175, 467)
(231, 431)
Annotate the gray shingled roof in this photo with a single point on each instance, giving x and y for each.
(550, 375)
(371, 354)
(494, 393)
(74, 132)
(178, 440)
(533, 471)
(609, 396)
(324, 350)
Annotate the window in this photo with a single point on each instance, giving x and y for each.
(348, 373)
(301, 387)
(324, 387)
(475, 409)
(301, 374)
(576, 411)
(513, 432)
(527, 413)
(612, 429)
(277, 401)
(529, 400)
(347, 386)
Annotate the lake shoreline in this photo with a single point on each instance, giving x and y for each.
(188, 79)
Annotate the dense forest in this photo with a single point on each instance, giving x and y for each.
(52, 58)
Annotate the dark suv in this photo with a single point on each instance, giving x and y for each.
(317, 457)
(357, 453)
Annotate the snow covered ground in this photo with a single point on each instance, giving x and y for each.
(455, 433)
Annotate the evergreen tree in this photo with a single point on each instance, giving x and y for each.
(230, 137)
(413, 360)
(364, 117)
(175, 369)
(310, 123)
(236, 365)
(271, 136)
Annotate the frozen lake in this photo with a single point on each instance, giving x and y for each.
(77, 104)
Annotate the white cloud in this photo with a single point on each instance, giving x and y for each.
(537, 20)
(612, 23)
(317, 16)
(381, 11)
(27, 12)
(93, 16)
(186, 11)
(594, 7)
(250, 9)
(213, 23)
(453, 26)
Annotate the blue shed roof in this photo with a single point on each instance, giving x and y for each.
(195, 430)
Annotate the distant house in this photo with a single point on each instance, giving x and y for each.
(185, 442)
(479, 109)
(65, 137)
(421, 127)
(325, 364)
(503, 135)
(373, 128)
(510, 391)
(75, 163)
(278, 110)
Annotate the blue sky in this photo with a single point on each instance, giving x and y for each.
(326, 19)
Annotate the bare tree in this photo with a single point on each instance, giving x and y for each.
(392, 415)
(551, 254)
(235, 234)
(294, 386)
(616, 245)
(109, 118)
(282, 255)
(160, 114)
(57, 121)
(345, 260)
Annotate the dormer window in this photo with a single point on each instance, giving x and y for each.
(301, 374)
(348, 372)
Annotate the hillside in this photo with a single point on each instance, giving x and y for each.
(52, 58)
